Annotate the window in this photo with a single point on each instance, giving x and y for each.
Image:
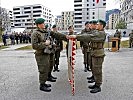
(78, 13)
(16, 8)
(16, 12)
(26, 8)
(87, 4)
(93, 17)
(78, 22)
(78, 1)
(37, 7)
(22, 16)
(37, 11)
(79, 5)
(87, 17)
(104, 4)
(87, 13)
(77, 9)
(93, 0)
(27, 12)
(87, 9)
(93, 13)
(93, 4)
(17, 24)
(36, 15)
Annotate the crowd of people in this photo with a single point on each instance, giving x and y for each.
(17, 38)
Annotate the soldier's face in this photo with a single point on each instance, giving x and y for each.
(99, 26)
(87, 26)
(93, 26)
(41, 26)
(71, 29)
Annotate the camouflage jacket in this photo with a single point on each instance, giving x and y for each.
(97, 39)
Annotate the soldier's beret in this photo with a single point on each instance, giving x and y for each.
(46, 26)
(39, 21)
(93, 22)
(87, 22)
(102, 22)
(54, 26)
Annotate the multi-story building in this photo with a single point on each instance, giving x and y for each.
(113, 20)
(6, 19)
(24, 16)
(58, 22)
(85, 10)
(126, 7)
(67, 19)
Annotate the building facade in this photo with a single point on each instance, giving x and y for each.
(86, 10)
(6, 18)
(126, 7)
(67, 19)
(58, 22)
(25, 16)
(113, 20)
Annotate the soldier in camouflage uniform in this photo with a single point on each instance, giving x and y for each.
(131, 39)
(59, 48)
(85, 46)
(93, 29)
(97, 39)
(118, 35)
(41, 44)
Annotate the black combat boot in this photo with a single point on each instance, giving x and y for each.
(47, 85)
(96, 89)
(44, 88)
(89, 78)
(85, 70)
(51, 78)
(91, 86)
(91, 81)
(57, 69)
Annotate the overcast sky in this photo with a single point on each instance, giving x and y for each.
(55, 5)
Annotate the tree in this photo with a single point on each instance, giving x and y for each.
(121, 25)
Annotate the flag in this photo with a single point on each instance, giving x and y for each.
(71, 63)
(97, 1)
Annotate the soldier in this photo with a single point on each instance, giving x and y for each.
(118, 35)
(97, 52)
(93, 29)
(71, 32)
(59, 48)
(85, 47)
(131, 39)
(43, 49)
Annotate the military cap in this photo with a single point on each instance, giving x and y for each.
(46, 26)
(87, 22)
(93, 22)
(39, 21)
(102, 22)
(54, 26)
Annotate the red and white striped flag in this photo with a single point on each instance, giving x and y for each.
(71, 63)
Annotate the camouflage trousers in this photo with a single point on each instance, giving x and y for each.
(43, 66)
(97, 69)
(87, 57)
(57, 56)
(130, 42)
(51, 62)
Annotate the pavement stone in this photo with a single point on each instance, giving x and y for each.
(19, 77)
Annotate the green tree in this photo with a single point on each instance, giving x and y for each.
(121, 25)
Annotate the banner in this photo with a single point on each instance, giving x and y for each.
(97, 1)
(71, 63)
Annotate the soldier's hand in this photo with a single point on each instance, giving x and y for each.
(72, 36)
(47, 42)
